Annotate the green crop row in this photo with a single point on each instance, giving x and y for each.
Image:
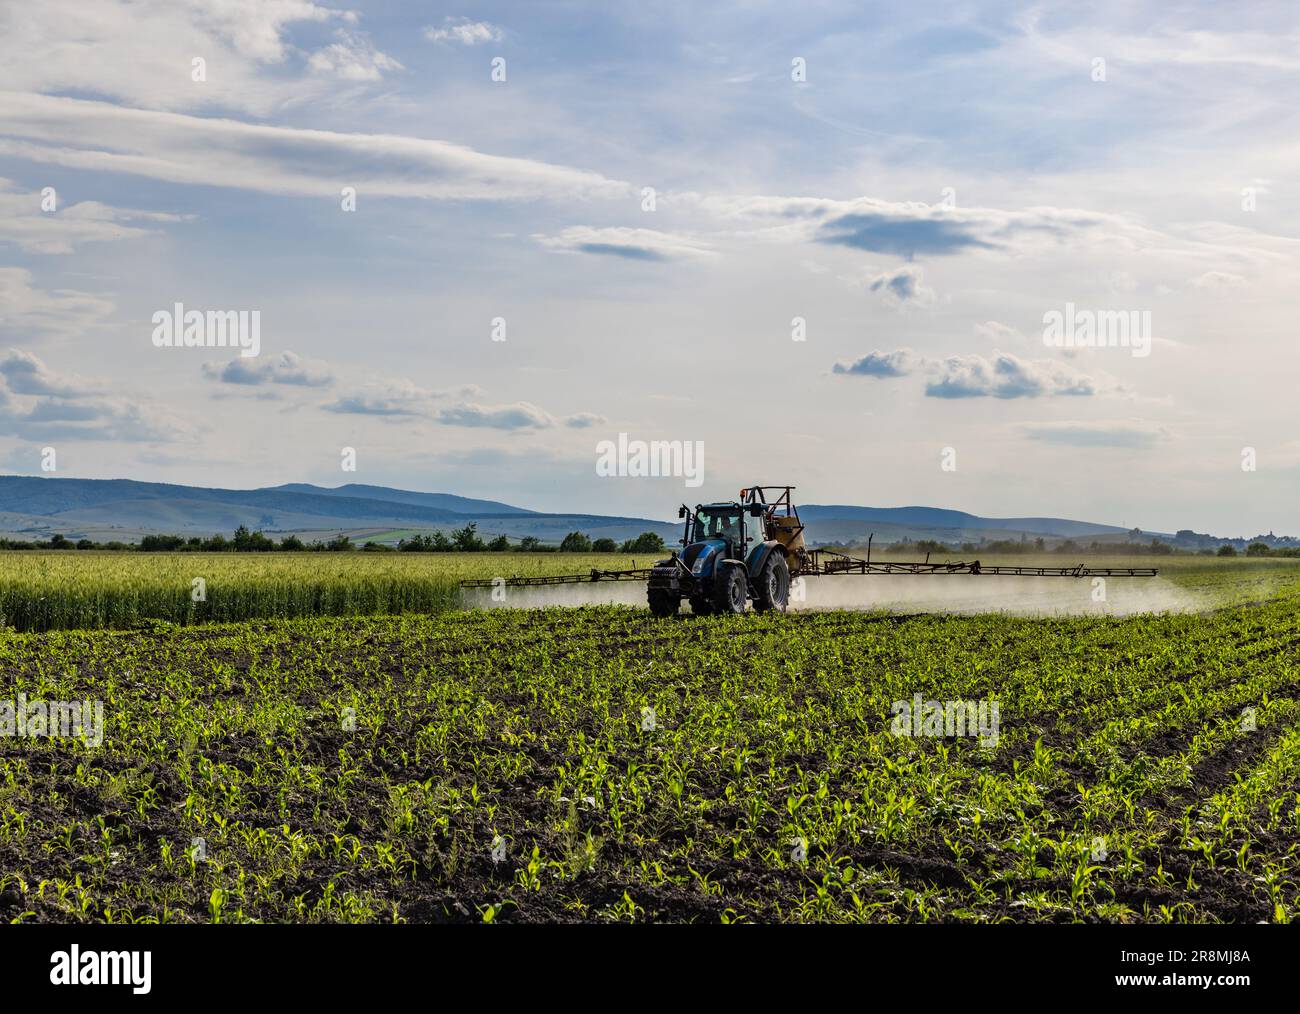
(601, 765)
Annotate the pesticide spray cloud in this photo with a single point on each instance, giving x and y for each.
(596, 593)
(900, 593)
(977, 593)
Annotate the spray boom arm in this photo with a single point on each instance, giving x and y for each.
(782, 517)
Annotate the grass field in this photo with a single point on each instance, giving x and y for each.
(599, 764)
(89, 590)
(86, 590)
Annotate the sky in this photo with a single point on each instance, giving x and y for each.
(825, 241)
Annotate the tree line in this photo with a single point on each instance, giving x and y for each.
(1155, 547)
(467, 540)
(462, 540)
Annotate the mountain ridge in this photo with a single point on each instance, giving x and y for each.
(126, 508)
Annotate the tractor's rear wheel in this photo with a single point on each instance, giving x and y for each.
(730, 595)
(663, 603)
(773, 583)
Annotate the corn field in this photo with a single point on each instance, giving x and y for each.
(86, 590)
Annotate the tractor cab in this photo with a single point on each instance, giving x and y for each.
(740, 527)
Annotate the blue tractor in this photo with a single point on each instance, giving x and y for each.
(749, 550)
(733, 552)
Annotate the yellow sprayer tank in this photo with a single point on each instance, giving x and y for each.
(789, 532)
(782, 517)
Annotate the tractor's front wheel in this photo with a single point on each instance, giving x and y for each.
(773, 584)
(663, 603)
(730, 595)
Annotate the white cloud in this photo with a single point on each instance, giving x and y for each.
(464, 32)
(280, 160)
(286, 368)
(27, 312)
(518, 416)
(352, 58)
(632, 244)
(898, 363)
(916, 229)
(460, 406)
(38, 404)
(387, 398)
(902, 287)
(24, 373)
(32, 230)
(1004, 376)
(584, 420)
(140, 52)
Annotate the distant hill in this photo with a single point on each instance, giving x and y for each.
(931, 519)
(123, 509)
(443, 501)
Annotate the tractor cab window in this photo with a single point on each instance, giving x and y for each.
(718, 525)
